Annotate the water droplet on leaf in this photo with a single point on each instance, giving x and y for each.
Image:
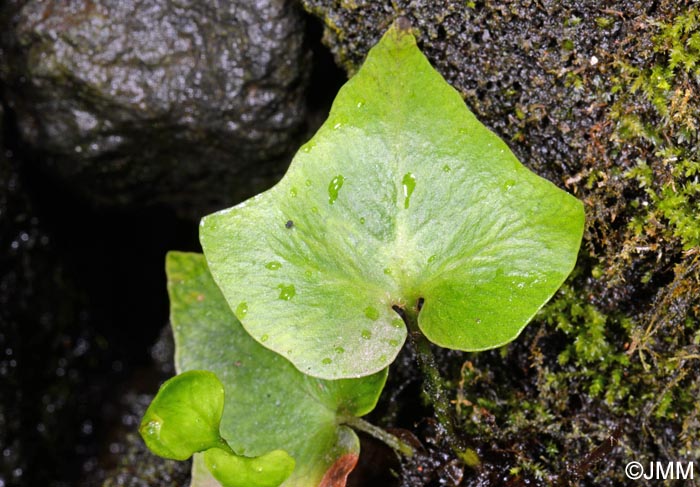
(273, 266)
(333, 188)
(366, 334)
(371, 313)
(393, 343)
(286, 292)
(241, 310)
(326, 361)
(409, 184)
(446, 168)
(293, 192)
(339, 350)
(153, 428)
(264, 337)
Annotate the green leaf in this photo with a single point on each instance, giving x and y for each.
(268, 470)
(270, 405)
(184, 419)
(184, 416)
(402, 194)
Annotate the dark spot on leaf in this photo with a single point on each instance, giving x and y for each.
(419, 304)
(337, 475)
(289, 224)
(403, 24)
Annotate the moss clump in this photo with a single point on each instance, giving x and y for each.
(668, 124)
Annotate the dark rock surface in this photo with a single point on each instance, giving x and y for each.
(82, 287)
(510, 61)
(48, 348)
(128, 463)
(137, 466)
(81, 296)
(192, 104)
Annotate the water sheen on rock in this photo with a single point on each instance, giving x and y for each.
(183, 103)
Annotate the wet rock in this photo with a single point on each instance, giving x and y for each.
(48, 349)
(510, 62)
(141, 468)
(191, 104)
(82, 295)
(126, 461)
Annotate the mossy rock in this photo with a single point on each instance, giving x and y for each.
(604, 102)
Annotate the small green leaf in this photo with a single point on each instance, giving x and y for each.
(402, 194)
(184, 416)
(268, 470)
(270, 405)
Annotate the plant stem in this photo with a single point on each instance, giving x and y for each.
(433, 383)
(378, 433)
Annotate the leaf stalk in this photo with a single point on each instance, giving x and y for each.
(392, 441)
(433, 383)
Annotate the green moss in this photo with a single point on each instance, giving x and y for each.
(619, 342)
(604, 22)
(667, 118)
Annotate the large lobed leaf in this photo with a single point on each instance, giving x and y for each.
(269, 404)
(402, 194)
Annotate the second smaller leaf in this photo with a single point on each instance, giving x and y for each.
(184, 417)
